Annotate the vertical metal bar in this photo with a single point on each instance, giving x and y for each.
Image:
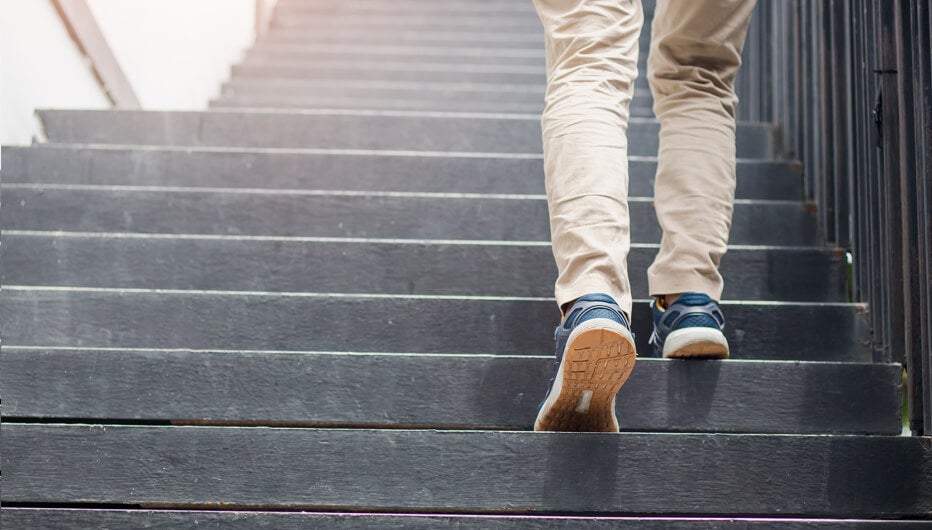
(895, 343)
(841, 151)
(909, 212)
(874, 199)
(922, 25)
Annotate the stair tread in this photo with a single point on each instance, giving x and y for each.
(388, 71)
(338, 102)
(339, 170)
(438, 390)
(123, 317)
(344, 213)
(411, 130)
(522, 472)
(356, 265)
(55, 518)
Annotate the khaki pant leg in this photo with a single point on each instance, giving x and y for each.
(694, 55)
(592, 49)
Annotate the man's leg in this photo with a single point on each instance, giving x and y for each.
(695, 53)
(592, 49)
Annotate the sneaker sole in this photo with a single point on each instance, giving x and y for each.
(597, 361)
(695, 343)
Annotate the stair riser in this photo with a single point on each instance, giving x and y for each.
(523, 23)
(416, 36)
(441, 391)
(336, 102)
(440, 9)
(439, 68)
(454, 96)
(326, 215)
(379, 98)
(405, 54)
(380, 172)
(403, 37)
(101, 318)
(519, 472)
(55, 519)
(430, 132)
(435, 269)
(392, 72)
(427, 91)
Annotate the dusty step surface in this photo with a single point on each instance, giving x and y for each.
(55, 518)
(353, 265)
(523, 472)
(475, 37)
(392, 71)
(461, 21)
(297, 87)
(415, 103)
(466, 103)
(452, 54)
(436, 391)
(493, 8)
(513, 133)
(324, 213)
(324, 169)
(104, 317)
(488, 93)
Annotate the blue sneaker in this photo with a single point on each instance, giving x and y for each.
(691, 327)
(595, 356)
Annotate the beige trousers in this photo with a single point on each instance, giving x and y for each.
(592, 57)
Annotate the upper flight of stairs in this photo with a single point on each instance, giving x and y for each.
(326, 302)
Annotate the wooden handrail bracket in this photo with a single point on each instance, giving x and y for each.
(82, 26)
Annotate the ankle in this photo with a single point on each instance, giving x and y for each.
(666, 300)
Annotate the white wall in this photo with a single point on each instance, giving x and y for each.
(175, 53)
(39, 67)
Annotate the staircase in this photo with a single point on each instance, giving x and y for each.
(326, 302)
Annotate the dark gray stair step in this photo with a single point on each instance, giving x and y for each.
(516, 133)
(435, 21)
(406, 36)
(386, 96)
(517, 472)
(388, 89)
(418, 6)
(438, 391)
(352, 53)
(295, 90)
(397, 69)
(349, 214)
(353, 103)
(57, 518)
(327, 170)
(393, 71)
(451, 54)
(432, 90)
(121, 318)
(388, 71)
(495, 8)
(426, 36)
(373, 266)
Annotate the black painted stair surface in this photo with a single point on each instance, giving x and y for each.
(326, 302)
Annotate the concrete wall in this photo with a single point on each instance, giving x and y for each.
(175, 53)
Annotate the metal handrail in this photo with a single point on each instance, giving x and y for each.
(850, 84)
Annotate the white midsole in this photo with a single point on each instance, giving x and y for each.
(558, 380)
(682, 338)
